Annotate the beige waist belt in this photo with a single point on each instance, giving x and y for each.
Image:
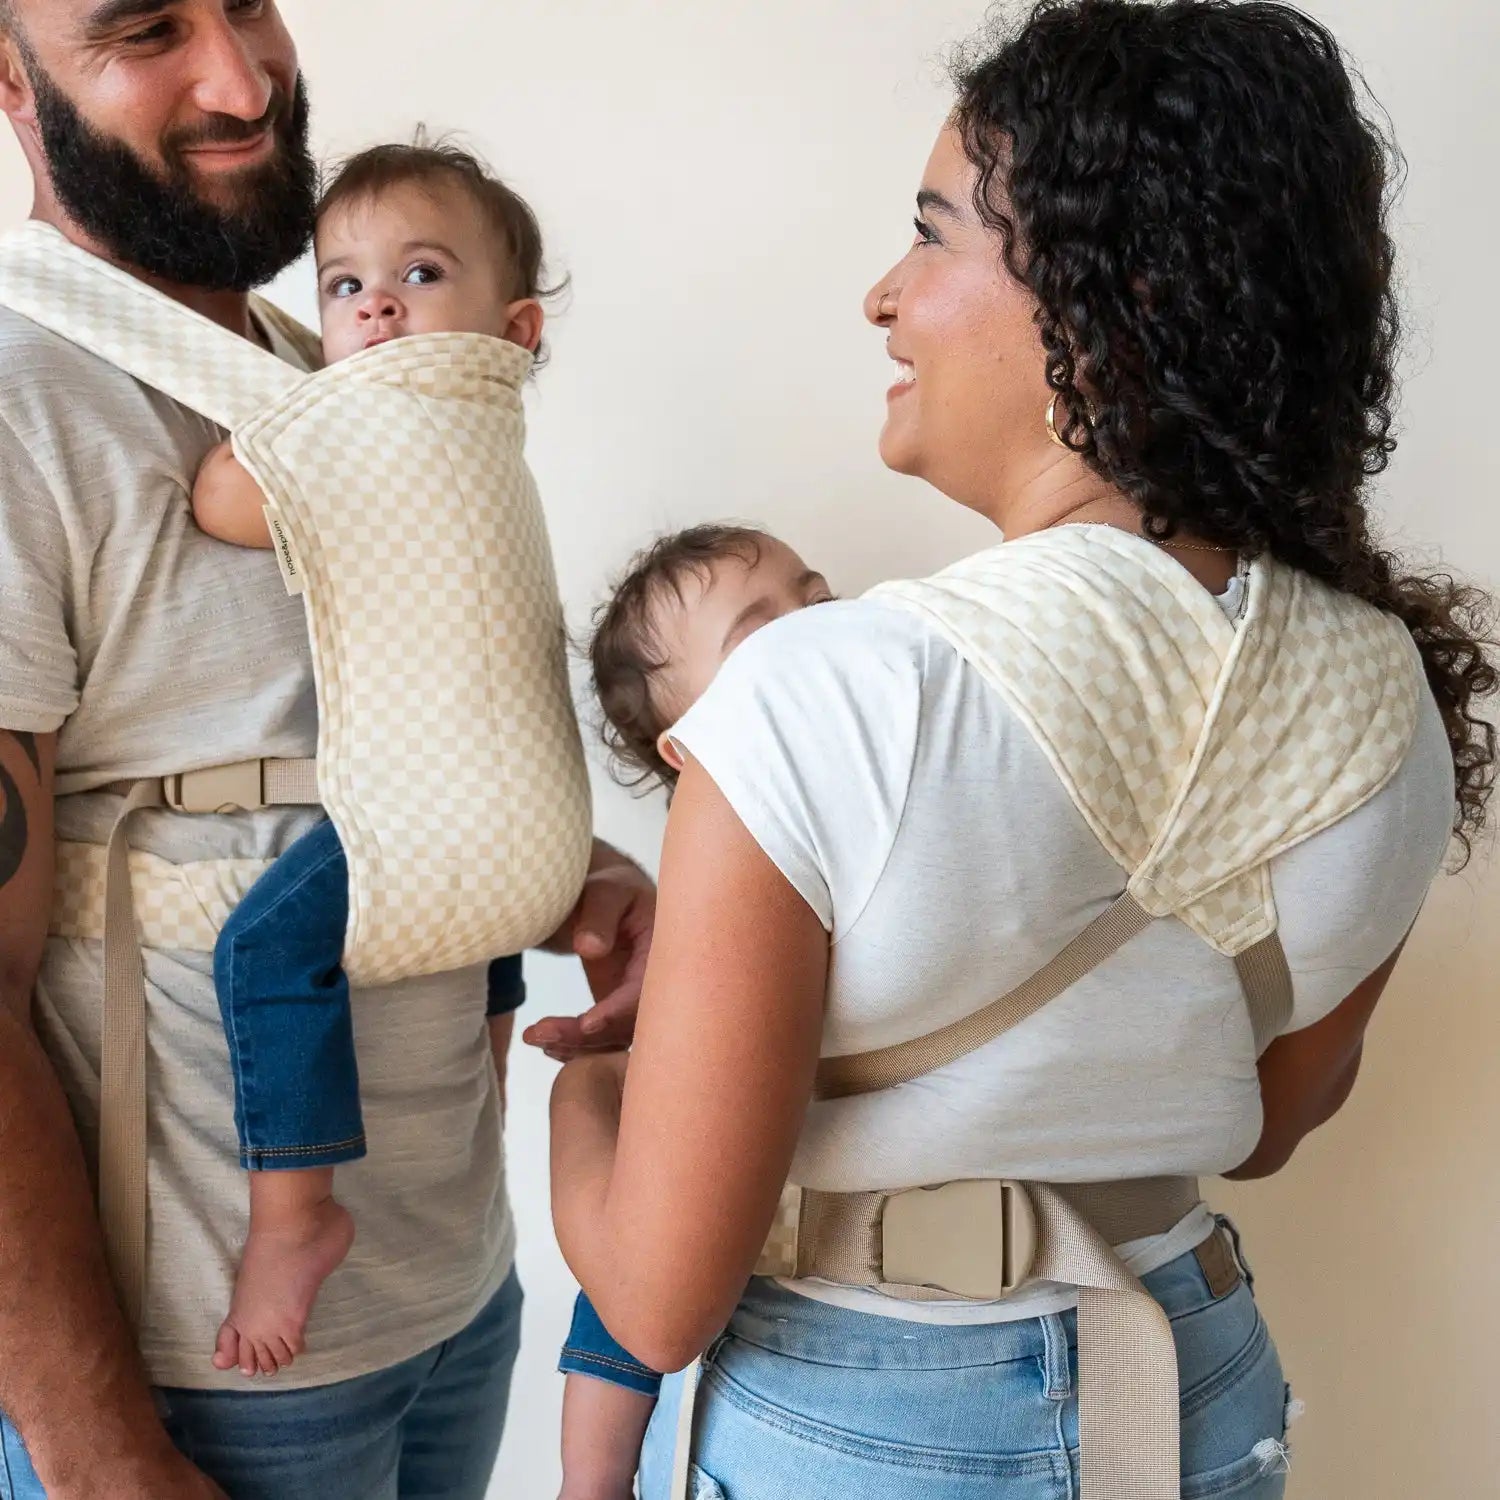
(981, 1241)
(245, 786)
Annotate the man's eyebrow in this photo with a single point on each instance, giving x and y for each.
(929, 200)
(114, 13)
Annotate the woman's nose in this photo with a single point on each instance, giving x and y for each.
(880, 303)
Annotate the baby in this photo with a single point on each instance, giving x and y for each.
(682, 607)
(410, 240)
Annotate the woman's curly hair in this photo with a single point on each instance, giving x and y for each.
(1197, 197)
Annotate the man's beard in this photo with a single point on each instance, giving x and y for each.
(161, 224)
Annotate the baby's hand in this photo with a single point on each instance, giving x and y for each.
(227, 502)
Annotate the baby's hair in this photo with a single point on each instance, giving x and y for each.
(370, 173)
(625, 654)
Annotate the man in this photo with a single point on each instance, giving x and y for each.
(170, 137)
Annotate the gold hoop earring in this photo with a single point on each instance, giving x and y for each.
(1052, 431)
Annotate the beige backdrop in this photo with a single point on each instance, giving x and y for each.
(723, 179)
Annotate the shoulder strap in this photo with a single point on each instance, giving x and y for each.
(62, 288)
(1262, 968)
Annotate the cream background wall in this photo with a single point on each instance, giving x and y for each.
(723, 179)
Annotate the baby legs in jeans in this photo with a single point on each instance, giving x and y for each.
(285, 1001)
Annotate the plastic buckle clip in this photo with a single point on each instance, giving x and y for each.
(976, 1240)
(216, 789)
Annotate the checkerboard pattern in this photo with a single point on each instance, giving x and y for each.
(177, 907)
(448, 753)
(1197, 751)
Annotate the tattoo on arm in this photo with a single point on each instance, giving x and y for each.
(13, 827)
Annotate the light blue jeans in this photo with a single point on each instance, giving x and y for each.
(426, 1429)
(800, 1399)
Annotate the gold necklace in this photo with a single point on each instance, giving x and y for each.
(1192, 546)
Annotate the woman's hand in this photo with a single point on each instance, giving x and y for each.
(610, 931)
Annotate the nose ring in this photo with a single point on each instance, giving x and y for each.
(886, 307)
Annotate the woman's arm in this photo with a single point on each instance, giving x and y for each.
(662, 1199)
(228, 503)
(1306, 1076)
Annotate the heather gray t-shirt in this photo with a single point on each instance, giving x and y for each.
(152, 648)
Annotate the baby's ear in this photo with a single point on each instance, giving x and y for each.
(523, 323)
(668, 749)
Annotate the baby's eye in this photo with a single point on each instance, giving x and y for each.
(344, 286)
(423, 274)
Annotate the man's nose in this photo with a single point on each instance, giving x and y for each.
(230, 80)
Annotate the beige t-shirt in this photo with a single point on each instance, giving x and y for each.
(152, 648)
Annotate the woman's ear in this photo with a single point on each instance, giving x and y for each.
(668, 749)
(523, 323)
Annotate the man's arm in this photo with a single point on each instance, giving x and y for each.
(610, 931)
(77, 1394)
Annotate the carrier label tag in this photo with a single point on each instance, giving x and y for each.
(286, 558)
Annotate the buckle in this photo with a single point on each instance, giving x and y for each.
(976, 1240)
(216, 789)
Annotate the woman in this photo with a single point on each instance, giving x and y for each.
(1149, 302)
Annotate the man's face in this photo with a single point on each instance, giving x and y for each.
(174, 132)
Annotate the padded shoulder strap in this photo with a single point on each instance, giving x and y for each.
(58, 286)
(1196, 751)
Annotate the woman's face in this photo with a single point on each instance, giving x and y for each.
(968, 410)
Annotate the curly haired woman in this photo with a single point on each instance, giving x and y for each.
(1147, 328)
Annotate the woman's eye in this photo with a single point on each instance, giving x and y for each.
(925, 236)
(423, 275)
(344, 286)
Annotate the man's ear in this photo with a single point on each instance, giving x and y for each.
(668, 749)
(524, 322)
(17, 98)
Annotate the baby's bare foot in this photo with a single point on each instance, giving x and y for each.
(281, 1272)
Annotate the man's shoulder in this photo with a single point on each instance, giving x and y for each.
(35, 360)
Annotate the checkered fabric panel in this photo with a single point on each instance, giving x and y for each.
(178, 908)
(779, 1257)
(448, 753)
(1196, 751)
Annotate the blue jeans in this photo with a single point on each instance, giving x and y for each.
(591, 1350)
(278, 969)
(428, 1429)
(802, 1399)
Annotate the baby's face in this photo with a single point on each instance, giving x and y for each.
(718, 610)
(419, 259)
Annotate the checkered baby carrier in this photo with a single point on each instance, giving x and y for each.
(448, 753)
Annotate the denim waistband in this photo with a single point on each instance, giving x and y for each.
(785, 1323)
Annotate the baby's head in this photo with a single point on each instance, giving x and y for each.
(423, 239)
(682, 607)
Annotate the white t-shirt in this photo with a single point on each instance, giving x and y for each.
(911, 809)
(152, 648)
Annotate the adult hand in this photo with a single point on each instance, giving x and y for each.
(610, 931)
(162, 1474)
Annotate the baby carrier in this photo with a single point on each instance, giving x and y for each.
(448, 754)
